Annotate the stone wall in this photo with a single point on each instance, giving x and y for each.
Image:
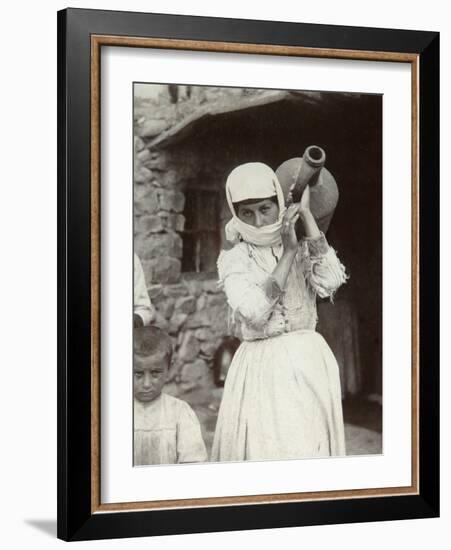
(194, 312)
(190, 307)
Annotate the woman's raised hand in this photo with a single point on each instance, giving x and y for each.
(288, 233)
(311, 228)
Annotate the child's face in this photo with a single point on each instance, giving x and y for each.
(259, 214)
(149, 376)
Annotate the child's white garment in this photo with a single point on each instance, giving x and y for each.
(166, 431)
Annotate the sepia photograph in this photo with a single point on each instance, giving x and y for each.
(257, 274)
(248, 254)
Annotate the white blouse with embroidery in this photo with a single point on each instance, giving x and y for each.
(259, 307)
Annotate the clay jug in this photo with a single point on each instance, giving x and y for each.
(296, 173)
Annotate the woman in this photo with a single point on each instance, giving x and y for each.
(282, 395)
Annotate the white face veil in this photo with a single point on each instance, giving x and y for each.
(253, 180)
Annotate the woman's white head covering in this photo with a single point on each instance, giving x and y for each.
(253, 180)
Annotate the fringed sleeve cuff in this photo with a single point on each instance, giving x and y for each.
(326, 273)
(317, 246)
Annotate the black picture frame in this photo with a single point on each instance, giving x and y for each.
(76, 518)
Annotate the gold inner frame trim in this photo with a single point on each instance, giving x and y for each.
(97, 41)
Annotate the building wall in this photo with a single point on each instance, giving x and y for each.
(190, 306)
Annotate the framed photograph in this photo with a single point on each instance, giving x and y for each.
(248, 274)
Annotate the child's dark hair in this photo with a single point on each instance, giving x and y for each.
(149, 340)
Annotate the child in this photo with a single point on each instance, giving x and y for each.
(282, 395)
(166, 429)
(143, 311)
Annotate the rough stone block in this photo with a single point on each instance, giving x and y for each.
(162, 270)
(139, 144)
(158, 299)
(166, 308)
(201, 302)
(208, 348)
(189, 349)
(158, 160)
(171, 201)
(151, 128)
(160, 321)
(180, 336)
(142, 175)
(187, 387)
(175, 222)
(167, 178)
(203, 334)
(151, 247)
(194, 371)
(156, 245)
(177, 246)
(186, 304)
(198, 320)
(216, 300)
(143, 155)
(155, 292)
(218, 319)
(148, 224)
(193, 286)
(176, 290)
(178, 222)
(145, 199)
(176, 322)
(211, 286)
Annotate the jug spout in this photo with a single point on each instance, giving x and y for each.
(295, 174)
(313, 161)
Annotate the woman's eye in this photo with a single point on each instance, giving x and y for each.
(138, 374)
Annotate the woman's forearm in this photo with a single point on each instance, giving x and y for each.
(283, 267)
(310, 226)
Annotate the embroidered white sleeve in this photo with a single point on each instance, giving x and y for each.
(249, 299)
(326, 273)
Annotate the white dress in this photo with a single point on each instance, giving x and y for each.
(282, 396)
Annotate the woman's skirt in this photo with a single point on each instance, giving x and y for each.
(282, 399)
